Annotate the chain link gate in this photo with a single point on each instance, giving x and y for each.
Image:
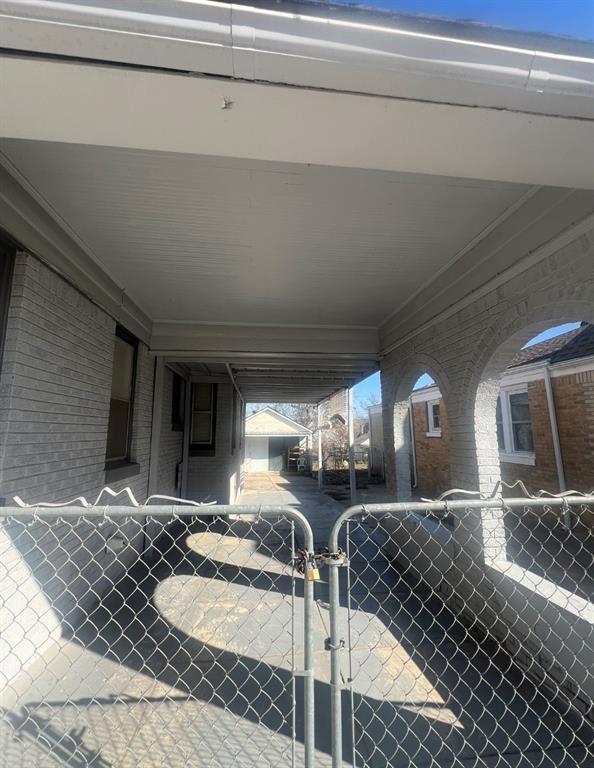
(160, 636)
(462, 634)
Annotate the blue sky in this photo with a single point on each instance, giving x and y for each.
(370, 387)
(561, 17)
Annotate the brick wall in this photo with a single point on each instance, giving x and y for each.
(171, 441)
(55, 389)
(54, 392)
(543, 474)
(574, 403)
(217, 478)
(432, 453)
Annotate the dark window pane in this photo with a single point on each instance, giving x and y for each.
(203, 415)
(523, 437)
(117, 433)
(201, 428)
(122, 389)
(519, 406)
(436, 416)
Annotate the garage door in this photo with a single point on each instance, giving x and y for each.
(256, 454)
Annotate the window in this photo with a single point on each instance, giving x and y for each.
(178, 403)
(433, 419)
(203, 416)
(519, 409)
(119, 430)
(514, 427)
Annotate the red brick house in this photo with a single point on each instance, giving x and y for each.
(525, 420)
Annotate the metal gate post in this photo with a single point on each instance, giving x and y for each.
(335, 681)
(308, 657)
(336, 642)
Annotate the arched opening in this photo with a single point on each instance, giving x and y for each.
(533, 411)
(421, 433)
(430, 439)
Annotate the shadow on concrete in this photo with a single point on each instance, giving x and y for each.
(426, 691)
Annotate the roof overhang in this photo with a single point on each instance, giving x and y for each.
(88, 81)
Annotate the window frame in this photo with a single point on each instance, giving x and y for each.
(204, 449)
(432, 429)
(125, 461)
(510, 453)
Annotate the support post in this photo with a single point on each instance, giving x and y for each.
(320, 457)
(351, 429)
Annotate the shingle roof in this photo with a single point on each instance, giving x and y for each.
(568, 346)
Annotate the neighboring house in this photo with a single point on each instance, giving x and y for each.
(269, 439)
(525, 430)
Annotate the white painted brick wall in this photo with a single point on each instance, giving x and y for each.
(465, 354)
(217, 478)
(54, 409)
(467, 350)
(171, 443)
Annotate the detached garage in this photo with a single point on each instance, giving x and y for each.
(270, 439)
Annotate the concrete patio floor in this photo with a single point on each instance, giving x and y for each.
(188, 662)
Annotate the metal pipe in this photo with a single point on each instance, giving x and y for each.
(556, 442)
(412, 441)
(335, 678)
(449, 506)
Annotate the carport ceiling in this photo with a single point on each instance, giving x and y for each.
(278, 382)
(261, 384)
(222, 240)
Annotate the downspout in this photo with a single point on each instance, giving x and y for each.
(412, 441)
(556, 442)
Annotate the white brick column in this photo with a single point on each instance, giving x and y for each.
(474, 466)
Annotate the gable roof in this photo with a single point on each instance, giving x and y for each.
(567, 346)
(267, 421)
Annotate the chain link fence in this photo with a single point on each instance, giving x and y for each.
(188, 647)
(462, 634)
(451, 634)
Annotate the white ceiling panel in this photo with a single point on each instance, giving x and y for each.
(202, 239)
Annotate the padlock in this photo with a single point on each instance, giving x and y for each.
(312, 573)
(311, 569)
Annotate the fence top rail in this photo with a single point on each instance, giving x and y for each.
(164, 510)
(445, 507)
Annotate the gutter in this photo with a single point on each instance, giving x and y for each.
(259, 44)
